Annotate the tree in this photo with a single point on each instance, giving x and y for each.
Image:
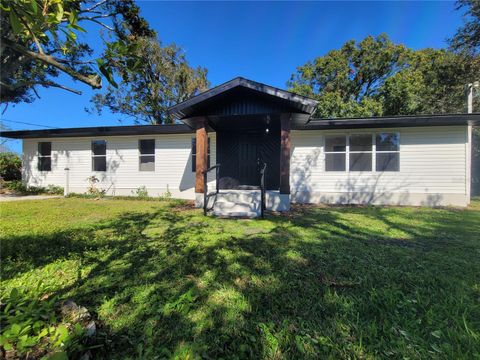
(428, 81)
(346, 81)
(10, 166)
(467, 37)
(149, 87)
(39, 42)
(377, 77)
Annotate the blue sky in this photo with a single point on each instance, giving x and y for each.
(263, 41)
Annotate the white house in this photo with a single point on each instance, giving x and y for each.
(246, 127)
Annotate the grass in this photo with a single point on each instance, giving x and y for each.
(323, 282)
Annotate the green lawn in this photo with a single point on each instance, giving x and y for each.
(322, 282)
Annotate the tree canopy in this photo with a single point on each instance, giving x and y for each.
(39, 41)
(377, 77)
(149, 87)
(467, 37)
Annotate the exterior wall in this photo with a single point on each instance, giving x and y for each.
(434, 163)
(173, 167)
(434, 168)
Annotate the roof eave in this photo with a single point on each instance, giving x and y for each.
(98, 131)
(394, 121)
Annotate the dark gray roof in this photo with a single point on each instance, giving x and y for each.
(313, 124)
(392, 121)
(99, 131)
(296, 102)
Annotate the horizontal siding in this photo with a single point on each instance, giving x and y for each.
(172, 164)
(432, 160)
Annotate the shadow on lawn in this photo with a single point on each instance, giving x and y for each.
(176, 284)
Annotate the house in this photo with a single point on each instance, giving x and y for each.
(246, 126)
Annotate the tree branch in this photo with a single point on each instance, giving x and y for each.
(37, 43)
(100, 16)
(93, 19)
(95, 6)
(42, 83)
(93, 81)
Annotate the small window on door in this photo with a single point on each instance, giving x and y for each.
(99, 155)
(147, 154)
(44, 156)
(194, 154)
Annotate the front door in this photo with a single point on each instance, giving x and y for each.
(249, 159)
(241, 153)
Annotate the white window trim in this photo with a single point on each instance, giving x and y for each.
(360, 152)
(95, 156)
(325, 152)
(374, 134)
(154, 154)
(40, 156)
(388, 151)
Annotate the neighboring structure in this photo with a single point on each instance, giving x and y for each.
(242, 125)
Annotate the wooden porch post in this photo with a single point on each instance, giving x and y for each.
(202, 154)
(285, 153)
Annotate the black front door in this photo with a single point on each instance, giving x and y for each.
(249, 159)
(242, 152)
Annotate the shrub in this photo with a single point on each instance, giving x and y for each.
(10, 166)
(167, 195)
(19, 187)
(92, 187)
(16, 186)
(54, 190)
(141, 192)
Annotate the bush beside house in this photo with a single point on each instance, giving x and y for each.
(10, 166)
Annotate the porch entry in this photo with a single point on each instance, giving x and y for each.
(242, 154)
(252, 122)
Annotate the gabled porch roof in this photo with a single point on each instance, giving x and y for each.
(243, 97)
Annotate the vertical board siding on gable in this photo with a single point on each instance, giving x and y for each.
(432, 161)
(172, 165)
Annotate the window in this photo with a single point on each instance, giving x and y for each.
(387, 152)
(44, 156)
(99, 155)
(194, 154)
(147, 155)
(360, 152)
(335, 153)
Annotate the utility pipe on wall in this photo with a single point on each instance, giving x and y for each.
(66, 189)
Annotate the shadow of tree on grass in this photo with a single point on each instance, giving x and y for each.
(338, 282)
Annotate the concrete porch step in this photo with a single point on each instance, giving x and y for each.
(237, 203)
(238, 214)
(242, 196)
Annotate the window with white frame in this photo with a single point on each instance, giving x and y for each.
(387, 146)
(363, 152)
(146, 148)
(99, 155)
(44, 156)
(335, 153)
(360, 152)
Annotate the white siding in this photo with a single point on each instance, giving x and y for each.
(433, 168)
(173, 167)
(433, 163)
